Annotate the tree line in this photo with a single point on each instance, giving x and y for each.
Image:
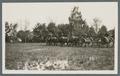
(77, 26)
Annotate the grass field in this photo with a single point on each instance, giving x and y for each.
(37, 56)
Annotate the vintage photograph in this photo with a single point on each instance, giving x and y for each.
(68, 37)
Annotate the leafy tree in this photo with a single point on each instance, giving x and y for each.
(11, 32)
(40, 32)
(30, 37)
(103, 31)
(91, 32)
(76, 21)
(64, 29)
(112, 33)
(7, 30)
(96, 24)
(27, 33)
(25, 36)
(21, 34)
(84, 29)
(52, 29)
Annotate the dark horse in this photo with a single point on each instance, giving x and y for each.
(63, 40)
(86, 42)
(73, 41)
(52, 41)
(106, 41)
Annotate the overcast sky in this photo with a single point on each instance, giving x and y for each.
(31, 13)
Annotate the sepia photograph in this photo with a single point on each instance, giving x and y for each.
(60, 38)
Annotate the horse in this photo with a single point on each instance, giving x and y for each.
(73, 41)
(13, 39)
(52, 41)
(86, 41)
(106, 41)
(63, 40)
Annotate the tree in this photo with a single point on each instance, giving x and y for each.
(25, 29)
(7, 30)
(103, 31)
(52, 29)
(64, 29)
(84, 29)
(96, 24)
(40, 32)
(111, 33)
(11, 32)
(25, 36)
(30, 37)
(21, 34)
(76, 21)
(91, 32)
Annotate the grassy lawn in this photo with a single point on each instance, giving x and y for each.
(29, 55)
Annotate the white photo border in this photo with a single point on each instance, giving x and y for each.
(115, 71)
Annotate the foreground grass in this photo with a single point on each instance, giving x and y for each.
(77, 58)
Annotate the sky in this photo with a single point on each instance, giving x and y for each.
(32, 13)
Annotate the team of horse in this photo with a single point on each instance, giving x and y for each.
(105, 41)
(80, 41)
